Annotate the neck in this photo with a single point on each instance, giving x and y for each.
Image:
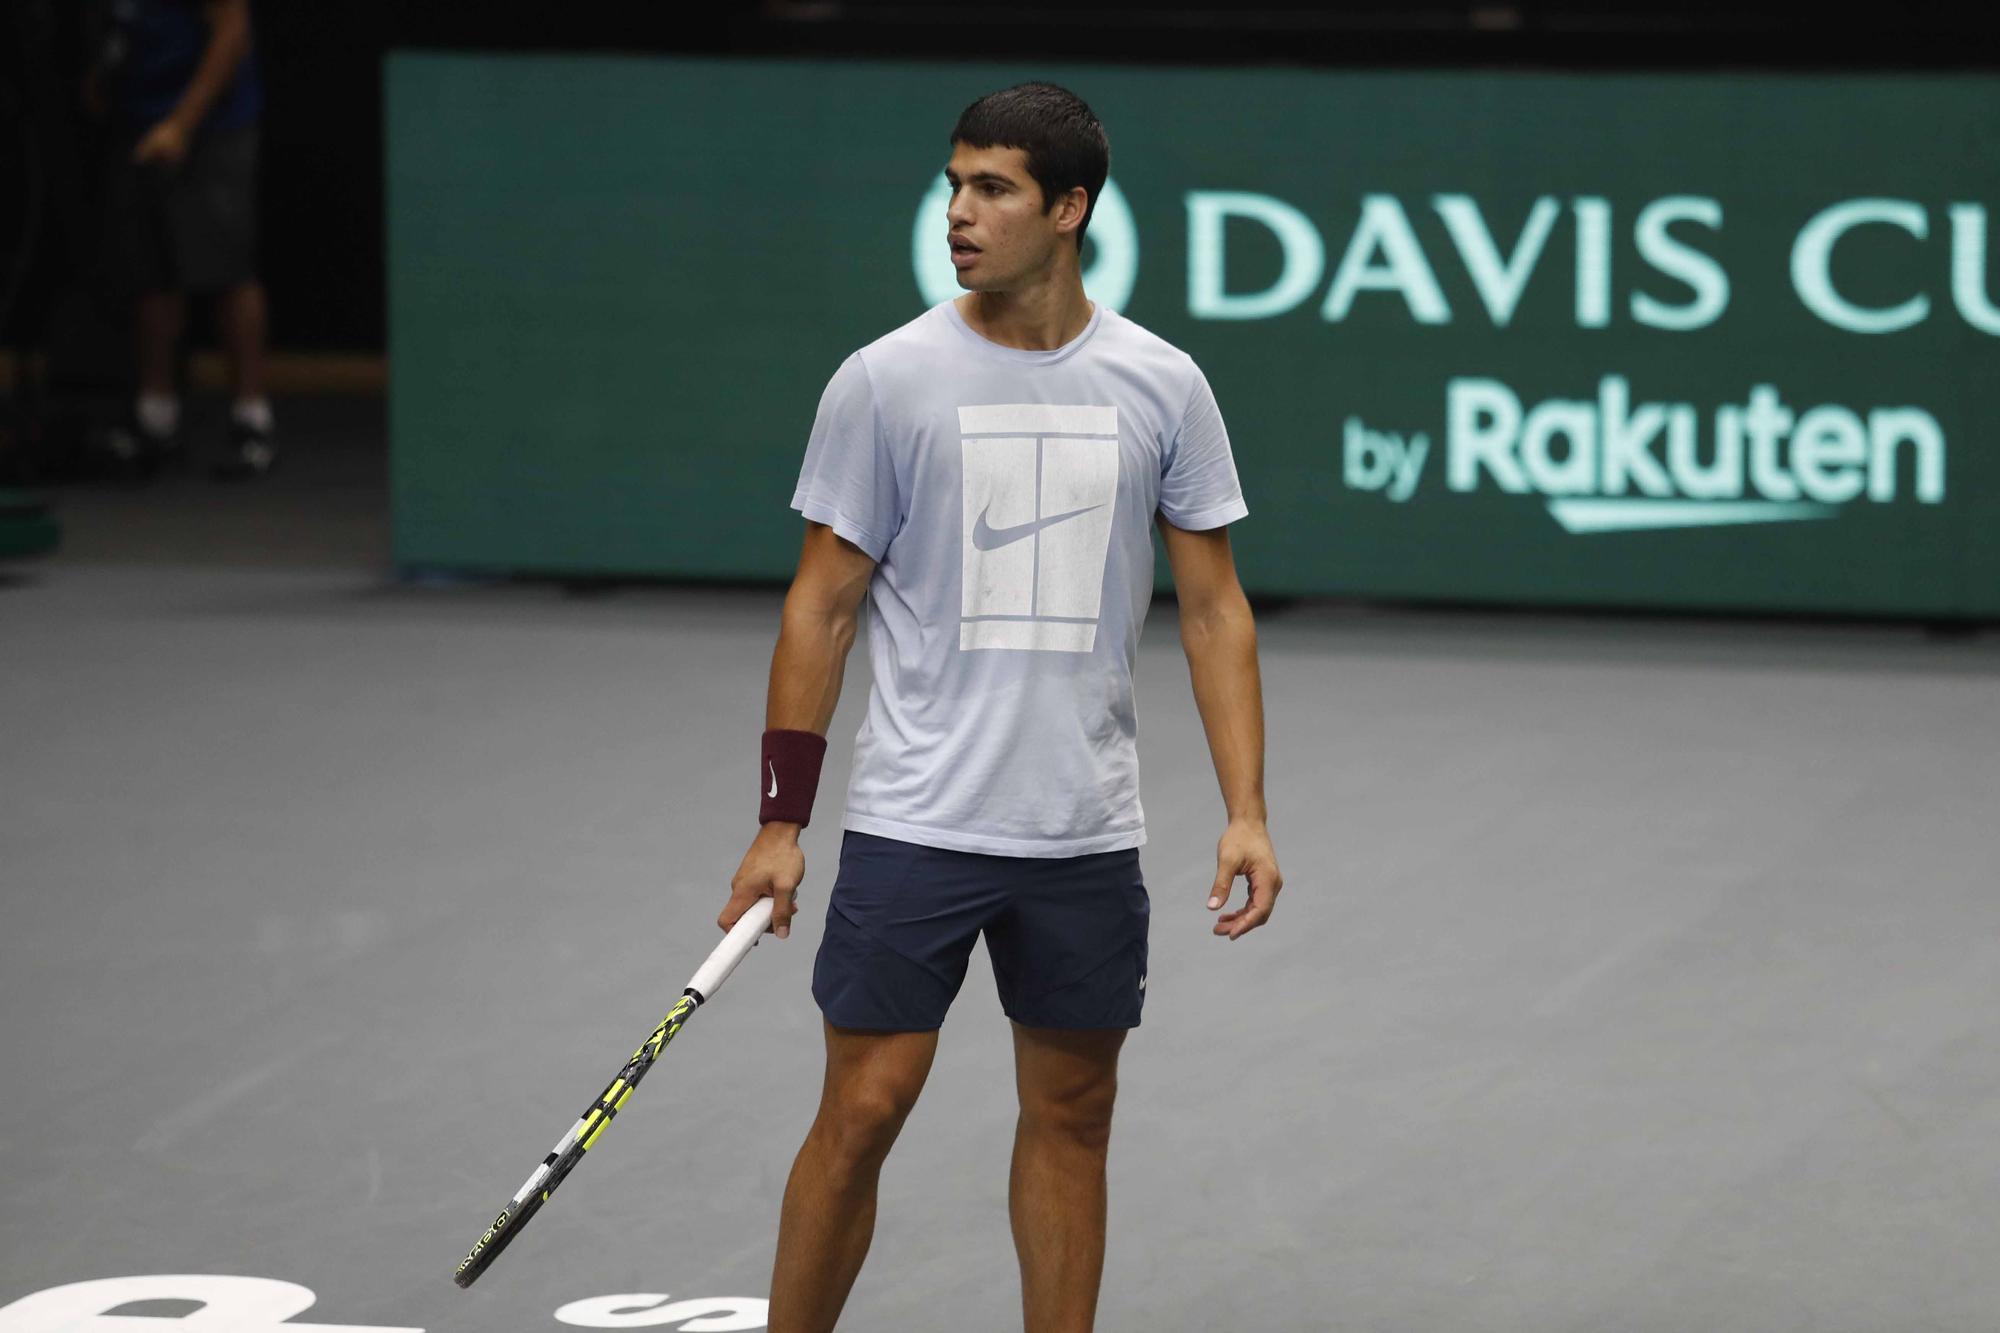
(1039, 316)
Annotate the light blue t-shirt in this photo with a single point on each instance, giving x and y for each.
(1007, 497)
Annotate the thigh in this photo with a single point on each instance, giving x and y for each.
(213, 211)
(1059, 1067)
(900, 925)
(1070, 951)
(876, 1068)
(137, 238)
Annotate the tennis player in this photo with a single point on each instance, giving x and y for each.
(987, 478)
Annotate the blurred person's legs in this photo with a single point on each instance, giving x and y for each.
(158, 320)
(139, 256)
(191, 232)
(219, 224)
(241, 319)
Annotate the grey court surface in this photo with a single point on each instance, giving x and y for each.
(1630, 975)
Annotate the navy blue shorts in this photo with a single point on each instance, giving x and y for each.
(1067, 935)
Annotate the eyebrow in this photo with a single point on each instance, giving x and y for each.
(978, 176)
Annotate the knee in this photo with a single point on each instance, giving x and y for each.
(1081, 1116)
(861, 1126)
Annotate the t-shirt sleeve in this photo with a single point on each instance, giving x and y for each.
(1198, 485)
(848, 481)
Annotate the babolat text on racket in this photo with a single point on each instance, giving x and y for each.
(569, 1150)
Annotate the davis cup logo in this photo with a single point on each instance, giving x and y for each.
(1108, 279)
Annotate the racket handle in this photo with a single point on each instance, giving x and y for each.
(708, 978)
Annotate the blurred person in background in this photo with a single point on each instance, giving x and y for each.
(181, 82)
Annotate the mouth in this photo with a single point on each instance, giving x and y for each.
(963, 252)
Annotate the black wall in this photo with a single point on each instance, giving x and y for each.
(322, 165)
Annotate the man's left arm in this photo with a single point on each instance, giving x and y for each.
(1219, 636)
(228, 43)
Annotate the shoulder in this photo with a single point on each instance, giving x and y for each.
(918, 338)
(907, 357)
(1148, 353)
(863, 368)
(1133, 336)
(1134, 342)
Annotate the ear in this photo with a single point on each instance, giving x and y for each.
(1069, 210)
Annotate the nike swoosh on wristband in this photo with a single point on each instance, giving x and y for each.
(990, 538)
(774, 780)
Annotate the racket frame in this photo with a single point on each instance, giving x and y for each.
(597, 1117)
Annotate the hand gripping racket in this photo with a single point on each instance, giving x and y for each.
(569, 1150)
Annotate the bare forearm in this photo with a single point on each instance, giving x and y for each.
(1221, 649)
(807, 668)
(228, 43)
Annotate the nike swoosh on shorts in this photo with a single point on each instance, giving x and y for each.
(990, 538)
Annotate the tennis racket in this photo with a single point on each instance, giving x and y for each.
(569, 1150)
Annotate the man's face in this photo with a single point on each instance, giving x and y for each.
(1000, 236)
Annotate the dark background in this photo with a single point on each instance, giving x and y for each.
(322, 178)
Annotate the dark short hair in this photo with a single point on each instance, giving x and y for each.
(1058, 131)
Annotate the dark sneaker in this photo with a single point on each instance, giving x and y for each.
(250, 454)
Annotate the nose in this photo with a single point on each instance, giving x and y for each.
(958, 210)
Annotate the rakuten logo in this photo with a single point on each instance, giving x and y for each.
(1609, 464)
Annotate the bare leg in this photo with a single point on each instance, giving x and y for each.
(240, 315)
(1056, 1199)
(158, 318)
(872, 1081)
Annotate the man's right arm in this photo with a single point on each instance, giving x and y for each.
(822, 614)
(820, 621)
(228, 45)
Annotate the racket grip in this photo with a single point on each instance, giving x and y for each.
(708, 978)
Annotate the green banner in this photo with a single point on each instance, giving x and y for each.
(1708, 342)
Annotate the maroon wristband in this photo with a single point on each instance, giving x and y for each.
(789, 775)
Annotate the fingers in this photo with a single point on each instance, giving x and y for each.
(784, 902)
(770, 872)
(1264, 885)
(744, 891)
(743, 895)
(1225, 880)
(1241, 922)
(159, 145)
